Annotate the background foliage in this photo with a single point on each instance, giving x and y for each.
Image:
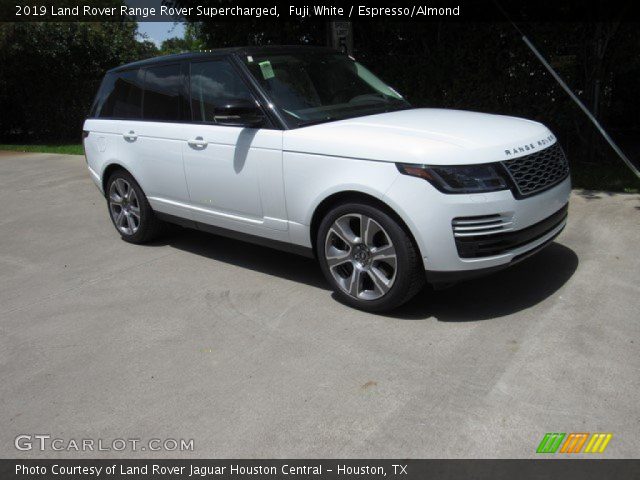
(50, 71)
(487, 67)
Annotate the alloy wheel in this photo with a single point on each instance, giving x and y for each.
(360, 256)
(124, 206)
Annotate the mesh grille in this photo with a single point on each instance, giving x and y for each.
(538, 171)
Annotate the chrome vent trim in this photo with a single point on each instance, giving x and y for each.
(482, 225)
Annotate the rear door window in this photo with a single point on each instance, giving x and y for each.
(213, 83)
(163, 93)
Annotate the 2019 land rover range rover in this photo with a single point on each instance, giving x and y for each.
(304, 149)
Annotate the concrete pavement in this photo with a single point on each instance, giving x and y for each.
(244, 350)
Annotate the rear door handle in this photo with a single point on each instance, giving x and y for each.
(198, 142)
(131, 136)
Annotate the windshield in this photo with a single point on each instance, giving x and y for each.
(314, 87)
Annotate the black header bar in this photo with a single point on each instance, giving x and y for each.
(301, 11)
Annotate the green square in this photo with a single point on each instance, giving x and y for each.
(267, 70)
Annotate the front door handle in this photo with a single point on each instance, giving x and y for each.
(198, 142)
(131, 136)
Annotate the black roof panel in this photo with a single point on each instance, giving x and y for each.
(255, 50)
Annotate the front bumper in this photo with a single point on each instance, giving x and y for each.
(530, 223)
(476, 245)
(445, 278)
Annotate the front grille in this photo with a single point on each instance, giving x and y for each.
(538, 171)
(484, 245)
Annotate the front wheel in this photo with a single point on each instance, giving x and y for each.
(368, 258)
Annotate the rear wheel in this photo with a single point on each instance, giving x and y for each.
(129, 209)
(368, 258)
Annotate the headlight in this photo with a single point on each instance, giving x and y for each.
(459, 178)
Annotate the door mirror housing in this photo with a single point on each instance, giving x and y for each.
(239, 113)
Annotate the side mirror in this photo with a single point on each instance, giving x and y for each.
(239, 113)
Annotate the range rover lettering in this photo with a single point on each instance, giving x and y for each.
(304, 149)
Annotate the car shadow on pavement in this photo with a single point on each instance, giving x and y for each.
(247, 255)
(502, 293)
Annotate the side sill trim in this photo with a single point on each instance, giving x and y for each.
(244, 237)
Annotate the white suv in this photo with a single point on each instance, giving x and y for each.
(304, 149)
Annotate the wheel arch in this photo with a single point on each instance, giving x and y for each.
(108, 171)
(347, 196)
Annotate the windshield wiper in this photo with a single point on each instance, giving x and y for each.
(315, 122)
(398, 107)
(381, 97)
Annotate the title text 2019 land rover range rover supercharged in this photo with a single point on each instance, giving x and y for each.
(305, 149)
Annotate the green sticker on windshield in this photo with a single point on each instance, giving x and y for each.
(267, 69)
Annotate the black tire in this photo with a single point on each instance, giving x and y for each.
(149, 227)
(409, 271)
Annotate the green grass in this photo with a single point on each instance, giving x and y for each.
(69, 149)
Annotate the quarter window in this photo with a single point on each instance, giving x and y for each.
(121, 96)
(212, 85)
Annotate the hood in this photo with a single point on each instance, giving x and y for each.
(423, 135)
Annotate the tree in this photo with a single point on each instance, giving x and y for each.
(51, 71)
(252, 30)
(190, 41)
